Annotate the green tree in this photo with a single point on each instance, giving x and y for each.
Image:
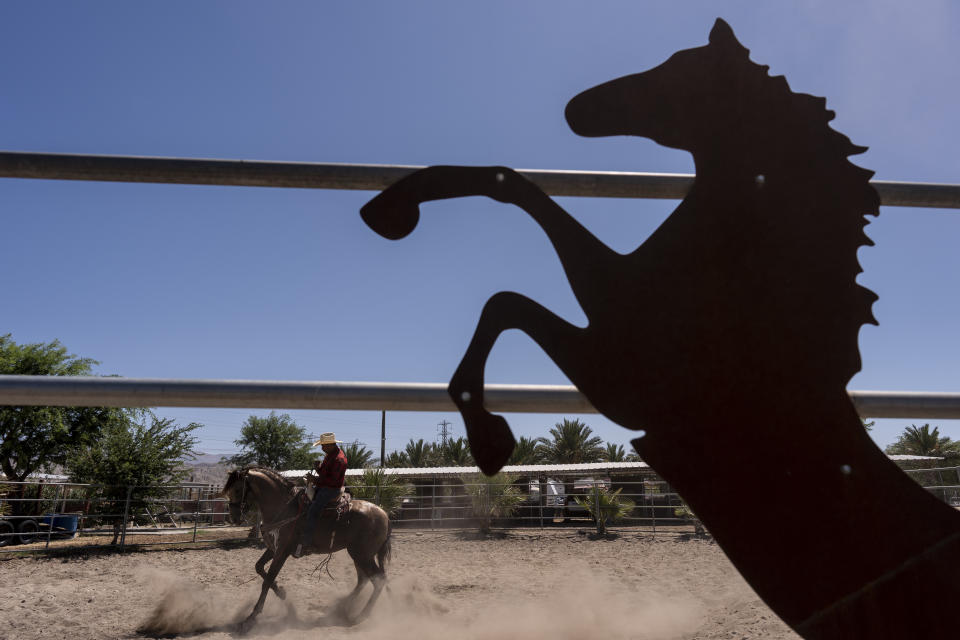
(383, 489)
(605, 506)
(397, 459)
(571, 443)
(614, 453)
(456, 453)
(493, 497)
(36, 438)
(358, 456)
(145, 452)
(526, 451)
(921, 441)
(276, 442)
(421, 453)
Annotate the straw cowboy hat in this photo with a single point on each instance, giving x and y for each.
(327, 438)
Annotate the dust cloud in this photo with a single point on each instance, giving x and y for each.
(582, 605)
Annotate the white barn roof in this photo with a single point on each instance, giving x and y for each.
(555, 469)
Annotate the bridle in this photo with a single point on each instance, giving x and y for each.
(242, 503)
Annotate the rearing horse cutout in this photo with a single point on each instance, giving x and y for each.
(729, 337)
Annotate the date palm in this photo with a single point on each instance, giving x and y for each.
(615, 453)
(358, 456)
(421, 453)
(605, 506)
(571, 442)
(456, 453)
(397, 459)
(921, 441)
(526, 451)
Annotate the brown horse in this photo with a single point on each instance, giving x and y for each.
(728, 337)
(363, 530)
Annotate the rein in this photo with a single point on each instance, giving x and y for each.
(265, 527)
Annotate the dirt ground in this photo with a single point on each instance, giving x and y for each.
(529, 584)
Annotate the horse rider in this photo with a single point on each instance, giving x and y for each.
(328, 485)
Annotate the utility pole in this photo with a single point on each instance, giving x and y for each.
(383, 436)
(444, 431)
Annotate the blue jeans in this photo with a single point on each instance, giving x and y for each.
(323, 496)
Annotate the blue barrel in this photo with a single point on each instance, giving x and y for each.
(62, 523)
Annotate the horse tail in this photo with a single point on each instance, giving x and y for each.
(383, 553)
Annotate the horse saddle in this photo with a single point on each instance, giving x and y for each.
(336, 507)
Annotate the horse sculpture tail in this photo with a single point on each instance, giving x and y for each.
(383, 553)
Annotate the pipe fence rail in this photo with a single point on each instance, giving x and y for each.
(92, 391)
(46, 517)
(372, 177)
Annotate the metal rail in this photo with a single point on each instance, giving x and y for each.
(374, 396)
(371, 177)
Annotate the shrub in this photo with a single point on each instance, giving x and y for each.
(605, 506)
(491, 498)
(386, 491)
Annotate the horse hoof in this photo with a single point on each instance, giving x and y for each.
(244, 627)
(281, 593)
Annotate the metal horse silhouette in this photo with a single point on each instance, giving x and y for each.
(729, 337)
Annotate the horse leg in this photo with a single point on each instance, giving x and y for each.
(362, 577)
(268, 581)
(369, 567)
(490, 439)
(395, 212)
(264, 559)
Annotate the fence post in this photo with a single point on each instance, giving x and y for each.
(540, 502)
(196, 513)
(53, 515)
(601, 526)
(653, 514)
(126, 511)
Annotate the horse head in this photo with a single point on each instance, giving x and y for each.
(235, 492)
(692, 101)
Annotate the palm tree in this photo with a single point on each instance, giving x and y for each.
(571, 444)
(526, 451)
(456, 453)
(397, 459)
(421, 453)
(491, 498)
(605, 506)
(920, 441)
(614, 453)
(358, 456)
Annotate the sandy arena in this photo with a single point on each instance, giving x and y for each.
(556, 584)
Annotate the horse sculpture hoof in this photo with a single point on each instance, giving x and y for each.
(391, 216)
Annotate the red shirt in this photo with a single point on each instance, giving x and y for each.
(332, 470)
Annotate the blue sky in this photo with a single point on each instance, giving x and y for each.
(220, 282)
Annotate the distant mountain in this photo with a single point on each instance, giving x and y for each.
(208, 458)
(206, 468)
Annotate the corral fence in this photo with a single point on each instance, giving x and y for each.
(56, 516)
(144, 518)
